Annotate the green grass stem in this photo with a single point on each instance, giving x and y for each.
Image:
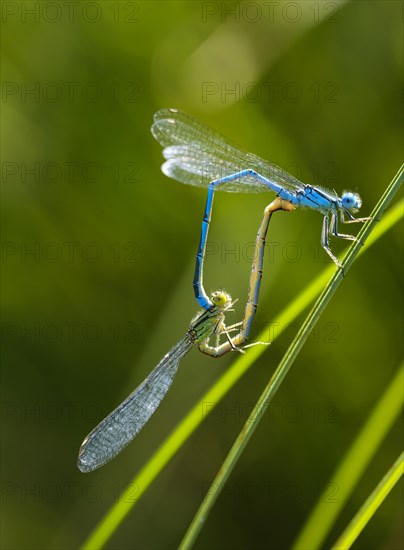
(370, 506)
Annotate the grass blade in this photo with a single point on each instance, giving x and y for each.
(372, 503)
(346, 476)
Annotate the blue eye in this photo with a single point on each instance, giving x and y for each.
(351, 201)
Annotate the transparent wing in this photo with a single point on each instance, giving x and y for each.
(196, 155)
(118, 429)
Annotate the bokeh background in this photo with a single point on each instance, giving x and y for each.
(99, 248)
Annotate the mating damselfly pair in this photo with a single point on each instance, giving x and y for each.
(197, 155)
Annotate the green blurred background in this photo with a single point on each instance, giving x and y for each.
(99, 248)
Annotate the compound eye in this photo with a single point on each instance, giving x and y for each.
(351, 201)
(220, 298)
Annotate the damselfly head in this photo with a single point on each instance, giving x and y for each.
(221, 299)
(351, 201)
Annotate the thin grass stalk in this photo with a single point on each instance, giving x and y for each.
(370, 506)
(358, 457)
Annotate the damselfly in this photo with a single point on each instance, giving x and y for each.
(118, 429)
(197, 155)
